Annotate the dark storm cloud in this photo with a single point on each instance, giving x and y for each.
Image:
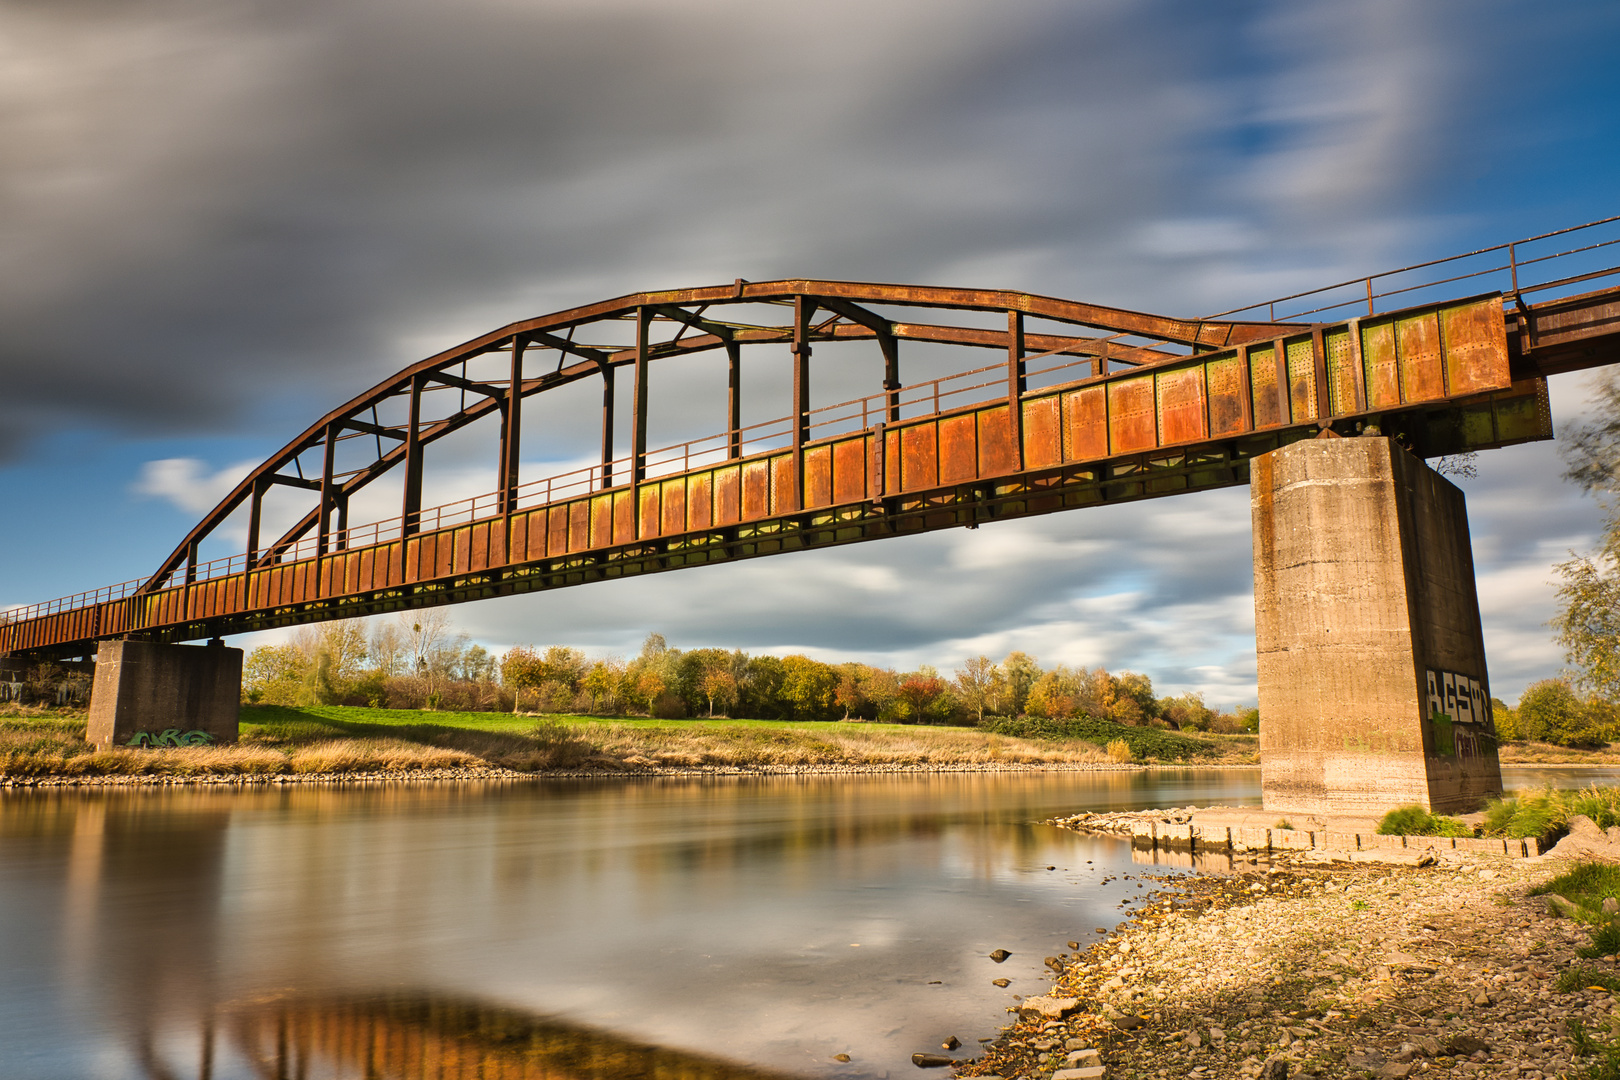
(212, 204)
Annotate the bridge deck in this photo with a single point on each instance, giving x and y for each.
(1445, 377)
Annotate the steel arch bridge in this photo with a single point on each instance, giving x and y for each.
(1077, 405)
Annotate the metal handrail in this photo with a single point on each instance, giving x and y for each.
(1513, 267)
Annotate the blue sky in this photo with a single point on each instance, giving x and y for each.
(223, 218)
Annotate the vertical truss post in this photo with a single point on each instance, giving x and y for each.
(733, 400)
(512, 431)
(638, 417)
(891, 375)
(340, 539)
(191, 562)
(411, 508)
(803, 309)
(607, 427)
(1016, 381)
(255, 519)
(323, 520)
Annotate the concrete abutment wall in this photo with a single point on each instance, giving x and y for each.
(1373, 687)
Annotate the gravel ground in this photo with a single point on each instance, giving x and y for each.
(1325, 970)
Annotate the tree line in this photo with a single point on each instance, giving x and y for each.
(417, 660)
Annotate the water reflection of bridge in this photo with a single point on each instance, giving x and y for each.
(402, 1035)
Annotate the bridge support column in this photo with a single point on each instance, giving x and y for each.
(144, 687)
(1373, 689)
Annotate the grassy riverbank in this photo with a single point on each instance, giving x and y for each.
(343, 741)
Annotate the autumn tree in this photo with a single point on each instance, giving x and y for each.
(979, 682)
(719, 684)
(1021, 672)
(850, 694)
(807, 686)
(522, 669)
(919, 692)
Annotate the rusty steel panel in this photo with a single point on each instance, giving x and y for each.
(700, 502)
(958, 449)
(1043, 432)
(728, 502)
(818, 479)
(919, 457)
(1378, 360)
(1228, 390)
(849, 470)
(444, 562)
(1417, 345)
(477, 548)
(1263, 384)
(1341, 373)
(891, 461)
(647, 515)
(1475, 341)
(578, 537)
(672, 497)
(369, 578)
(518, 540)
(624, 516)
(1301, 379)
(1181, 404)
(784, 495)
(498, 552)
(1132, 418)
(601, 520)
(756, 490)
(1085, 424)
(557, 532)
(998, 442)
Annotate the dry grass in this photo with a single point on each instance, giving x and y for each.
(36, 746)
(754, 746)
(1535, 753)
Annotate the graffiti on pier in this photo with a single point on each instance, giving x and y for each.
(171, 737)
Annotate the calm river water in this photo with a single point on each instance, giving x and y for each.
(745, 927)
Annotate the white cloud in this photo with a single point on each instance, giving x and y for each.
(187, 482)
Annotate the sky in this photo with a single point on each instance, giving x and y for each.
(222, 218)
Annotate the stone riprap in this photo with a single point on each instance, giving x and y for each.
(1345, 970)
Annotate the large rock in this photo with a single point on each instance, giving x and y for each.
(1047, 1008)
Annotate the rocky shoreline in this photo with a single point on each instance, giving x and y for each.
(1284, 967)
(487, 773)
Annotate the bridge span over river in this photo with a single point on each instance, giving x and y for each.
(1059, 405)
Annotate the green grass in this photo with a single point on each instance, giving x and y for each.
(1413, 820)
(1580, 977)
(1547, 813)
(1586, 885)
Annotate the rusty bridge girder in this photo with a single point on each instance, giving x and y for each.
(1126, 406)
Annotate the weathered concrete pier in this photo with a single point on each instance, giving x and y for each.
(1373, 686)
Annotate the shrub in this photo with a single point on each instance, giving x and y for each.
(1413, 820)
(1145, 743)
(1120, 751)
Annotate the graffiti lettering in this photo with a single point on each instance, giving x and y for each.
(170, 737)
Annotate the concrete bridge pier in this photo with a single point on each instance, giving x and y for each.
(170, 694)
(1373, 688)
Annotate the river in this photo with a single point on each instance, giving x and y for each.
(747, 927)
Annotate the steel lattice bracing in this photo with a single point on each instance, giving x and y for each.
(1078, 405)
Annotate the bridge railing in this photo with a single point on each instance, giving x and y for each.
(1558, 262)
